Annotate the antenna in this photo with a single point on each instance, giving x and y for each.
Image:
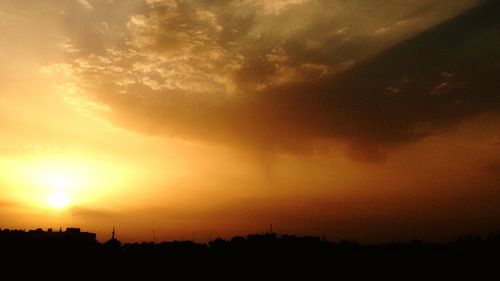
(113, 233)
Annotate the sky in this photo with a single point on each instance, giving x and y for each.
(359, 120)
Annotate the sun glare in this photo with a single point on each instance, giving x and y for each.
(61, 181)
(58, 200)
(56, 182)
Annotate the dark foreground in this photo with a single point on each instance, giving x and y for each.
(258, 256)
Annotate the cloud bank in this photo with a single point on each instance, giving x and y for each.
(289, 76)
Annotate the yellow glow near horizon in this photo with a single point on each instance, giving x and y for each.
(58, 200)
(57, 181)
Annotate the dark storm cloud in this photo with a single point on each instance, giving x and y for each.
(287, 77)
(422, 85)
(493, 167)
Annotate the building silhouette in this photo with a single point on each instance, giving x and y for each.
(70, 234)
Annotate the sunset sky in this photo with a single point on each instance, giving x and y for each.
(367, 120)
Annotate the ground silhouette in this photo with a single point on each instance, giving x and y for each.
(253, 255)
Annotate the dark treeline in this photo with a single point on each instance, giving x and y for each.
(255, 253)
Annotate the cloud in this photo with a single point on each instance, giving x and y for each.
(291, 76)
(8, 204)
(493, 167)
(86, 5)
(93, 213)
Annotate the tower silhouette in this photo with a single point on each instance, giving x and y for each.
(113, 243)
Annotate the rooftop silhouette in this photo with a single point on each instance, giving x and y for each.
(258, 252)
(71, 233)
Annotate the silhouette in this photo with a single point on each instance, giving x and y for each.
(285, 255)
(113, 243)
(71, 233)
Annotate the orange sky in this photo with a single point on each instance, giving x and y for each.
(366, 120)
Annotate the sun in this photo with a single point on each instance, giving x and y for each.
(58, 200)
(60, 182)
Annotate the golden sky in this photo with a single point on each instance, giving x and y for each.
(368, 120)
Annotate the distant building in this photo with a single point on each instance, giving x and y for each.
(71, 234)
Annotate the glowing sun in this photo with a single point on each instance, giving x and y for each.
(58, 200)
